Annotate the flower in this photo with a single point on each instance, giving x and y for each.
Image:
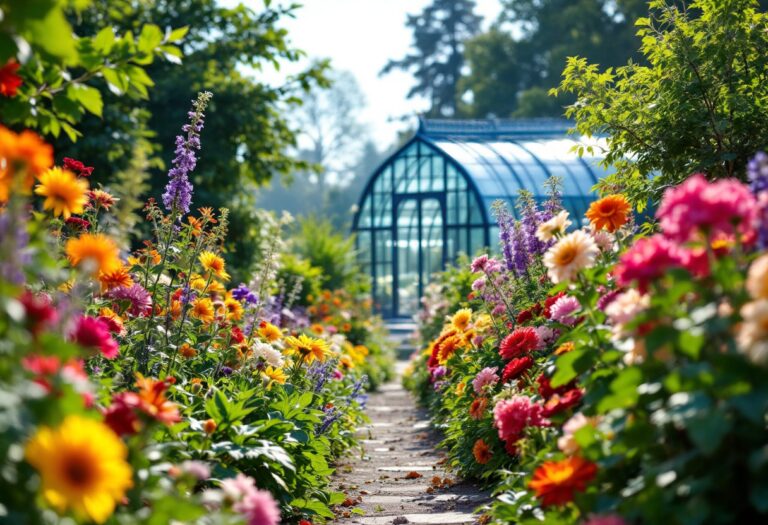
(546, 335)
(83, 467)
(209, 426)
(564, 348)
(516, 367)
(186, 351)
(202, 309)
(554, 227)
(609, 213)
(91, 332)
(558, 403)
(447, 347)
(485, 379)
(269, 332)
(626, 306)
(696, 206)
(757, 278)
(39, 311)
(259, 508)
(64, 193)
(567, 442)
(233, 308)
(77, 167)
(214, 264)
(753, 333)
(25, 152)
(512, 416)
(478, 407)
(647, 260)
(605, 519)
(519, 342)
(115, 278)
(78, 224)
(461, 319)
(95, 253)
(479, 263)
(571, 254)
(562, 310)
(9, 80)
(482, 452)
(275, 375)
(243, 294)
(197, 469)
(101, 199)
(137, 296)
(309, 348)
(149, 400)
(555, 482)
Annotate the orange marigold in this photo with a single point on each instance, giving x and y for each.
(609, 213)
(115, 278)
(482, 452)
(556, 481)
(95, 252)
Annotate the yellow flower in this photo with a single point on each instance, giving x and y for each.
(346, 362)
(97, 253)
(83, 467)
(569, 256)
(214, 264)
(197, 282)
(215, 287)
(554, 227)
(64, 193)
(269, 332)
(309, 348)
(461, 319)
(202, 309)
(115, 278)
(460, 388)
(275, 375)
(234, 309)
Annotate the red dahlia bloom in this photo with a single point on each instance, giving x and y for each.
(549, 302)
(9, 80)
(94, 333)
(516, 367)
(519, 342)
(525, 316)
(557, 403)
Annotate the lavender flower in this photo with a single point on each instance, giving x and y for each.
(244, 294)
(331, 416)
(319, 373)
(512, 239)
(757, 172)
(178, 191)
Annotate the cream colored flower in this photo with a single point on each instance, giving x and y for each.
(569, 256)
(553, 227)
(757, 278)
(753, 335)
(603, 239)
(626, 306)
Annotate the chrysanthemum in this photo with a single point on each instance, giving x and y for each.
(555, 482)
(609, 213)
(487, 377)
(214, 264)
(202, 309)
(115, 278)
(482, 452)
(95, 253)
(571, 254)
(512, 416)
(101, 199)
(563, 309)
(309, 348)
(64, 193)
(461, 319)
(554, 227)
(139, 300)
(83, 467)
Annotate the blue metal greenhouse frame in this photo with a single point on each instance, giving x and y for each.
(431, 199)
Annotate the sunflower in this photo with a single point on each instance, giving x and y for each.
(64, 193)
(275, 375)
(570, 255)
(214, 264)
(115, 278)
(233, 309)
(309, 348)
(83, 467)
(555, 481)
(461, 319)
(96, 253)
(609, 213)
(269, 332)
(202, 309)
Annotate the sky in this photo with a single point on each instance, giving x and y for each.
(361, 36)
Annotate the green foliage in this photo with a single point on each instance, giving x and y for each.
(700, 103)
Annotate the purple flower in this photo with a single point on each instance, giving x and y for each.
(607, 299)
(226, 371)
(140, 299)
(178, 191)
(757, 172)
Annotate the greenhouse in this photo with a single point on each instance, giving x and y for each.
(431, 200)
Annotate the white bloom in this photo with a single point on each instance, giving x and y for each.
(273, 357)
(554, 226)
(753, 335)
(569, 256)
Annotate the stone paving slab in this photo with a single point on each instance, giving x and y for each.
(390, 481)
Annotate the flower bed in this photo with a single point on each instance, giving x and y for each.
(149, 389)
(604, 377)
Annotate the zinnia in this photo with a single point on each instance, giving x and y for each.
(609, 213)
(96, 253)
(83, 467)
(571, 254)
(555, 482)
(516, 367)
(65, 194)
(519, 342)
(482, 452)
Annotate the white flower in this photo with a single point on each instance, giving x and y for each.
(273, 357)
(554, 226)
(753, 335)
(259, 349)
(626, 306)
(603, 239)
(569, 256)
(757, 278)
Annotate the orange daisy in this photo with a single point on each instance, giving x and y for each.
(115, 278)
(202, 309)
(609, 213)
(269, 332)
(556, 481)
(214, 264)
(96, 253)
(24, 152)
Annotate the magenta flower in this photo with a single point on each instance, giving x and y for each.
(94, 333)
(487, 377)
(478, 265)
(140, 299)
(512, 416)
(605, 519)
(259, 508)
(647, 260)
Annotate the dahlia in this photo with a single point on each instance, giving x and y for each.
(139, 299)
(512, 416)
(519, 342)
(648, 260)
(558, 403)
(609, 213)
(485, 379)
(482, 452)
(94, 333)
(562, 310)
(516, 367)
(571, 254)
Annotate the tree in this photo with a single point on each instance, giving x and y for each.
(436, 61)
(701, 103)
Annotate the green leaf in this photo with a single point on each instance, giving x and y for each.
(150, 37)
(569, 366)
(104, 40)
(177, 34)
(707, 430)
(89, 97)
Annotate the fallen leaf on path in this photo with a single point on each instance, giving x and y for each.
(413, 475)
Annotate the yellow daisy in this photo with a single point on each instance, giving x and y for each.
(64, 193)
(214, 264)
(275, 375)
(309, 348)
(269, 332)
(233, 309)
(461, 319)
(202, 309)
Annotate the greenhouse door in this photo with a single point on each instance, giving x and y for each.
(418, 247)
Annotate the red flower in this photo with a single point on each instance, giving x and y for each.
(515, 368)
(77, 167)
(77, 223)
(557, 403)
(237, 335)
(41, 365)
(519, 342)
(555, 481)
(94, 333)
(525, 316)
(39, 311)
(121, 415)
(9, 80)
(545, 387)
(549, 302)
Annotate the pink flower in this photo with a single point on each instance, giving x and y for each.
(94, 333)
(238, 487)
(512, 416)
(259, 508)
(487, 377)
(563, 309)
(567, 442)
(647, 260)
(546, 336)
(478, 284)
(724, 206)
(479, 264)
(605, 519)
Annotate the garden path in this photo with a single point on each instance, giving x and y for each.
(399, 478)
